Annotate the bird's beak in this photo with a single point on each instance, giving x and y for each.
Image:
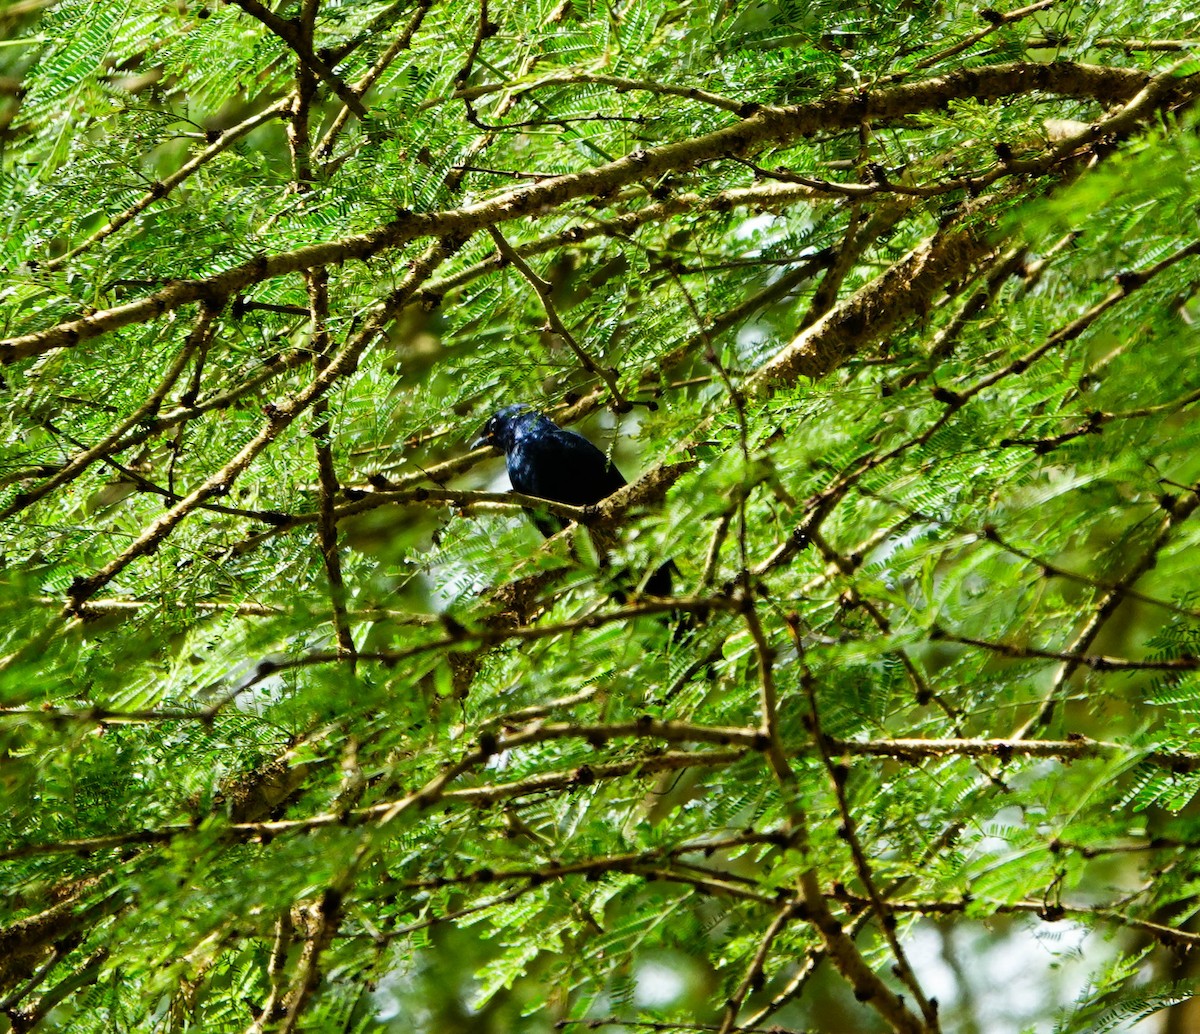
(482, 440)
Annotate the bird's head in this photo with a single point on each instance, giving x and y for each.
(502, 428)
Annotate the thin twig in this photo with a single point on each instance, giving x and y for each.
(545, 293)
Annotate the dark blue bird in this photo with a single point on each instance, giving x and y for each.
(554, 463)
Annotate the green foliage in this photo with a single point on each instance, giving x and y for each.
(440, 774)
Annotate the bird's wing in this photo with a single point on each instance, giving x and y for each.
(564, 466)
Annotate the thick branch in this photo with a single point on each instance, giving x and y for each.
(766, 128)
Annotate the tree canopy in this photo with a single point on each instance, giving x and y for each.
(887, 311)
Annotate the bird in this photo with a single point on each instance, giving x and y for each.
(558, 464)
